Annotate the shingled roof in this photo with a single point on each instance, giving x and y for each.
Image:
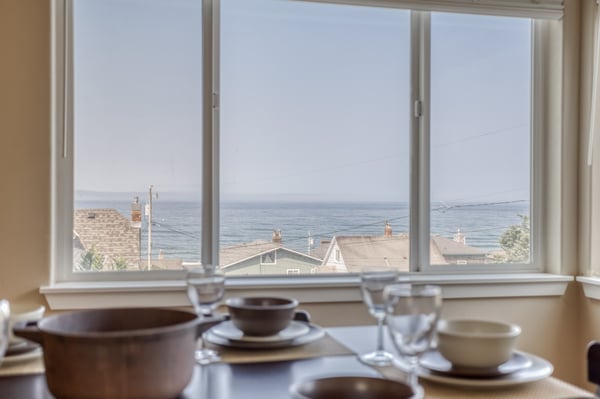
(109, 233)
(359, 252)
(237, 253)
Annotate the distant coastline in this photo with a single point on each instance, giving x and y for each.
(177, 222)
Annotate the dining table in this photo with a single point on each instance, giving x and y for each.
(259, 373)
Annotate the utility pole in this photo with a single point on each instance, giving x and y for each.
(149, 211)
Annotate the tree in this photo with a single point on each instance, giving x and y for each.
(515, 242)
(120, 263)
(91, 260)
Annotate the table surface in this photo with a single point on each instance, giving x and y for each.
(272, 379)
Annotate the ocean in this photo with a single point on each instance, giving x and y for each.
(176, 224)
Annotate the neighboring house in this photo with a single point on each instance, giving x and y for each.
(107, 238)
(320, 251)
(353, 253)
(456, 252)
(263, 257)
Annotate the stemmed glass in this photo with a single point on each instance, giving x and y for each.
(372, 282)
(205, 289)
(412, 313)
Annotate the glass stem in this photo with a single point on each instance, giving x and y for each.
(380, 334)
(411, 378)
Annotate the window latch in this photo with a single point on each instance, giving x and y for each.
(215, 100)
(418, 108)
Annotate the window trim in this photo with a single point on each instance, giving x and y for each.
(62, 155)
(340, 289)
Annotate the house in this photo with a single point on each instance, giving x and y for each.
(264, 257)
(353, 253)
(105, 237)
(451, 251)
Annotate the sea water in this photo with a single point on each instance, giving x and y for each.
(176, 230)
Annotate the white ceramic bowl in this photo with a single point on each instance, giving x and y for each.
(477, 343)
(20, 315)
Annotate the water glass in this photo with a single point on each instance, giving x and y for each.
(412, 313)
(4, 322)
(372, 283)
(205, 289)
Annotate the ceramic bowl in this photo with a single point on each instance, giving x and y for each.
(261, 316)
(477, 343)
(350, 387)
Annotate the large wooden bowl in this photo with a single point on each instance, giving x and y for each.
(135, 353)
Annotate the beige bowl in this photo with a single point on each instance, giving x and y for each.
(261, 316)
(477, 343)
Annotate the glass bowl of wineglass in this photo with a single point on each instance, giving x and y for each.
(412, 313)
(373, 280)
(205, 290)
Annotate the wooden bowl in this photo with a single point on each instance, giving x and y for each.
(261, 316)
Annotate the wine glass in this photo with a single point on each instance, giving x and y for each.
(205, 289)
(372, 282)
(412, 313)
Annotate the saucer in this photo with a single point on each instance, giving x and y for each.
(22, 357)
(228, 330)
(314, 333)
(434, 361)
(20, 348)
(539, 369)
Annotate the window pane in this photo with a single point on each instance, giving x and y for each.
(480, 139)
(314, 136)
(138, 123)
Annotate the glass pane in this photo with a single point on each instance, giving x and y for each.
(480, 139)
(314, 137)
(138, 133)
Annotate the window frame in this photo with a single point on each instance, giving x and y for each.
(62, 154)
(272, 255)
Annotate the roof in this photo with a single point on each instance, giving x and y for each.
(237, 253)
(108, 232)
(321, 251)
(364, 251)
(449, 247)
(359, 252)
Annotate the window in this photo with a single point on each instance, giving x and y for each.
(346, 135)
(269, 258)
(480, 135)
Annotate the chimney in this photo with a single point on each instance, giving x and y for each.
(460, 237)
(276, 236)
(387, 231)
(136, 213)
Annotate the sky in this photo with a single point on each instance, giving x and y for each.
(314, 101)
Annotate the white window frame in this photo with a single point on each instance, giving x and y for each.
(266, 255)
(65, 283)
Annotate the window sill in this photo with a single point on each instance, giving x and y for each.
(591, 286)
(86, 295)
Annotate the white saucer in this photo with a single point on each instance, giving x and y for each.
(228, 330)
(434, 361)
(539, 369)
(22, 357)
(314, 333)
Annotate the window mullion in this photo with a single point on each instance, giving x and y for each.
(210, 123)
(419, 137)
